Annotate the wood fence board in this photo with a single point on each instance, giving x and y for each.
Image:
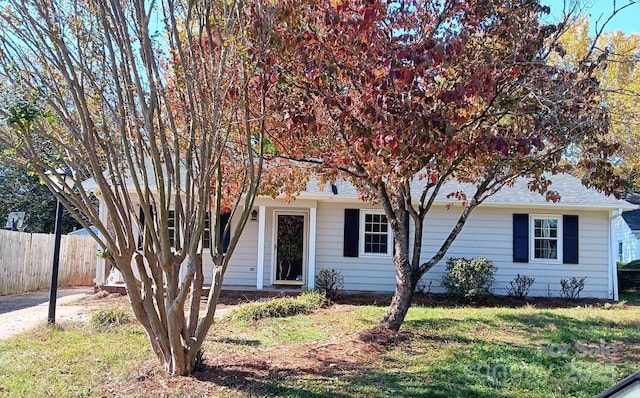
(26, 261)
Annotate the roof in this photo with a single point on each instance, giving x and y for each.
(632, 217)
(572, 192)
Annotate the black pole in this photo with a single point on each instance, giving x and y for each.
(53, 292)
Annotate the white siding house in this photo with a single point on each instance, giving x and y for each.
(627, 231)
(518, 230)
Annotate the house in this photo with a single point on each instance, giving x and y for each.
(627, 231)
(286, 244)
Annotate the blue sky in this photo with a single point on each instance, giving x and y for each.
(627, 20)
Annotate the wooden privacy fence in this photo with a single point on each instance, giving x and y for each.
(25, 261)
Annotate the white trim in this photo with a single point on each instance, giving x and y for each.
(311, 271)
(100, 261)
(613, 266)
(260, 260)
(558, 238)
(305, 241)
(361, 232)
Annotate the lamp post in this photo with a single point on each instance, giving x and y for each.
(60, 176)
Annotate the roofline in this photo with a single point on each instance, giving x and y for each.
(329, 197)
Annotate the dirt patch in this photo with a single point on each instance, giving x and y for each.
(247, 371)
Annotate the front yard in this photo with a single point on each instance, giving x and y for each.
(441, 352)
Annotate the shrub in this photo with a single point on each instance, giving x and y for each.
(112, 315)
(278, 308)
(519, 286)
(329, 282)
(635, 264)
(571, 288)
(424, 288)
(469, 279)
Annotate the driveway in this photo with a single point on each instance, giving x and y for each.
(21, 312)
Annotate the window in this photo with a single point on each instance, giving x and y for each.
(542, 238)
(545, 238)
(171, 226)
(206, 234)
(224, 237)
(620, 252)
(376, 234)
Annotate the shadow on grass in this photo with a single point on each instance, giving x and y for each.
(245, 342)
(557, 328)
(367, 381)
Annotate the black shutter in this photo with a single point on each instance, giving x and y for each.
(570, 239)
(225, 234)
(141, 232)
(351, 233)
(520, 238)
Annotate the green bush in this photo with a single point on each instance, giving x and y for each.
(469, 279)
(635, 264)
(278, 308)
(111, 315)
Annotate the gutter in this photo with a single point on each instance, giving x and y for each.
(613, 268)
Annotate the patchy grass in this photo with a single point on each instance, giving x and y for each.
(69, 361)
(440, 352)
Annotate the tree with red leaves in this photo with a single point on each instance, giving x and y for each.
(386, 92)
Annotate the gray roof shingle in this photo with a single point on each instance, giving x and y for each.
(571, 190)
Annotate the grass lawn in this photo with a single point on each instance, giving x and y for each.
(441, 352)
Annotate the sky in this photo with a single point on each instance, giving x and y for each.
(627, 20)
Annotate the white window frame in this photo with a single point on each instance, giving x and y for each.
(620, 251)
(363, 214)
(532, 238)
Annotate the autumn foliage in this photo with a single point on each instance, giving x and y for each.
(385, 92)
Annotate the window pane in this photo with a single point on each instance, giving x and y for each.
(546, 249)
(171, 224)
(206, 234)
(375, 233)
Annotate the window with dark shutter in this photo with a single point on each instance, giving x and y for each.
(520, 238)
(351, 233)
(570, 240)
(225, 234)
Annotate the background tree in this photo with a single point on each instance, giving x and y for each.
(161, 105)
(389, 92)
(21, 190)
(619, 77)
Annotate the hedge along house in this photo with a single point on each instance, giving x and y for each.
(286, 244)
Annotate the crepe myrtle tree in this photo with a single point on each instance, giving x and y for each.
(160, 105)
(389, 92)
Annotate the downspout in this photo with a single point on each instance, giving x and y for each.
(613, 269)
(100, 280)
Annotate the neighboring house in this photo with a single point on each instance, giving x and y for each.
(627, 231)
(288, 243)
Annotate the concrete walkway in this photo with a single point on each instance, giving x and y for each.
(21, 312)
